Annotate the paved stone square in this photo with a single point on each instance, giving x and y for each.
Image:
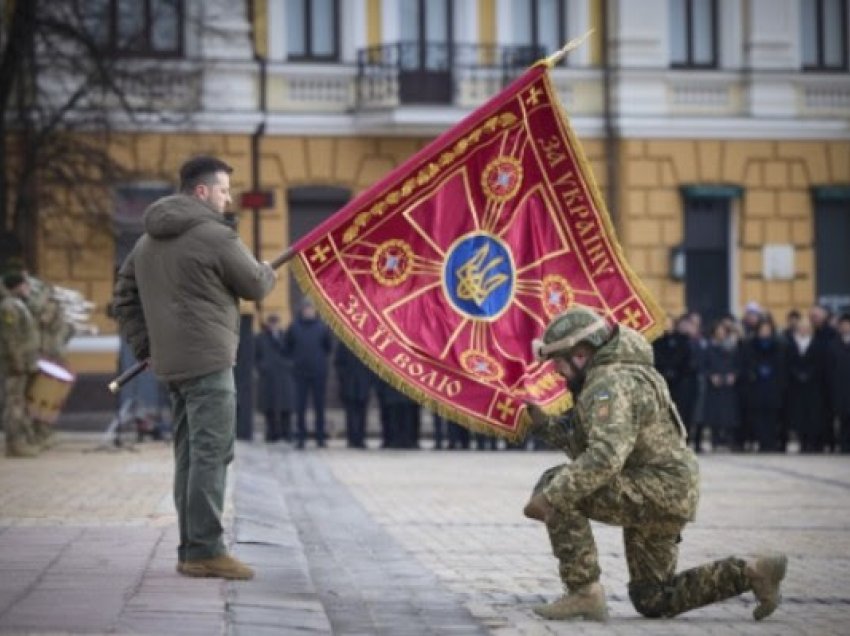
(459, 515)
(384, 542)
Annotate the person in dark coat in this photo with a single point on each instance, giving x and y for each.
(355, 384)
(274, 367)
(824, 334)
(395, 416)
(753, 315)
(439, 431)
(458, 436)
(806, 360)
(839, 380)
(674, 360)
(721, 366)
(486, 442)
(309, 341)
(764, 383)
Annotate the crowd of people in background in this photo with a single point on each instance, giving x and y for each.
(740, 385)
(749, 385)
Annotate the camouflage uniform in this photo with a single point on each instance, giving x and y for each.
(18, 357)
(54, 330)
(632, 468)
(53, 334)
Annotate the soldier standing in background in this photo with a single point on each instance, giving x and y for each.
(54, 332)
(632, 468)
(18, 358)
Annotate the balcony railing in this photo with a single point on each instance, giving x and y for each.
(406, 73)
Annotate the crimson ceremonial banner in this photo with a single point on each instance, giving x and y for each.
(441, 274)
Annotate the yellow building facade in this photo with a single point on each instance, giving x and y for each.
(769, 142)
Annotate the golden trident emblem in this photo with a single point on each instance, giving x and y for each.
(472, 281)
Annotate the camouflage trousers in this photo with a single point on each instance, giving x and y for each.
(651, 545)
(16, 420)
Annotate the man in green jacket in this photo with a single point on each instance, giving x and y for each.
(631, 467)
(177, 303)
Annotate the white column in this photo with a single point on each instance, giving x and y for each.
(578, 22)
(772, 43)
(276, 26)
(390, 27)
(225, 30)
(465, 21)
(641, 33)
(773, 40)
(504, 30)
(225, 36)
(730, 33)
(352, 25)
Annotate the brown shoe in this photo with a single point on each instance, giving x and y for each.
(222, 567)
(587, 602)
(765, 574)
(20, 448)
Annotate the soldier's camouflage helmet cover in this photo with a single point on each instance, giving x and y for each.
(566, 330)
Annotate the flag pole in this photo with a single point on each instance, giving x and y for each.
(130, 373)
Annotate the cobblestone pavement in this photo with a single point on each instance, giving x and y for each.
(384, 542)
(459, 515)
(87, 545)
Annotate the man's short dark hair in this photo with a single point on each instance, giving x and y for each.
(200, 170)
(13, 279)
(845, 317)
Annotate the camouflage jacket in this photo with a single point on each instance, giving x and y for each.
(54, 330)
(624, 427)
(18, 337)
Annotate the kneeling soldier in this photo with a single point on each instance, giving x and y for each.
(632, 468)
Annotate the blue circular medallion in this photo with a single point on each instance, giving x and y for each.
(478, 276)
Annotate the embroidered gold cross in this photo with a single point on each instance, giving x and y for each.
(320, 253)
(633, 317)
(505, 409)
(533, 96)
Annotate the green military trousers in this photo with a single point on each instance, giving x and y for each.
(204, 410)
(651, 546)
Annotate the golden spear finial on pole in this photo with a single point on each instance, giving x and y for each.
(558, 55)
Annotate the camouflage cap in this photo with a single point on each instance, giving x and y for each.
(566, 330)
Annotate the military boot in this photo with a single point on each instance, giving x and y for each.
(586, 602)
(223, 567)
(20, 448)
(765, 574)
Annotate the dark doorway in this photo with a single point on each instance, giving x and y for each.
(707, 256)
(832, 252)
(308, 207)
(425, 53)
